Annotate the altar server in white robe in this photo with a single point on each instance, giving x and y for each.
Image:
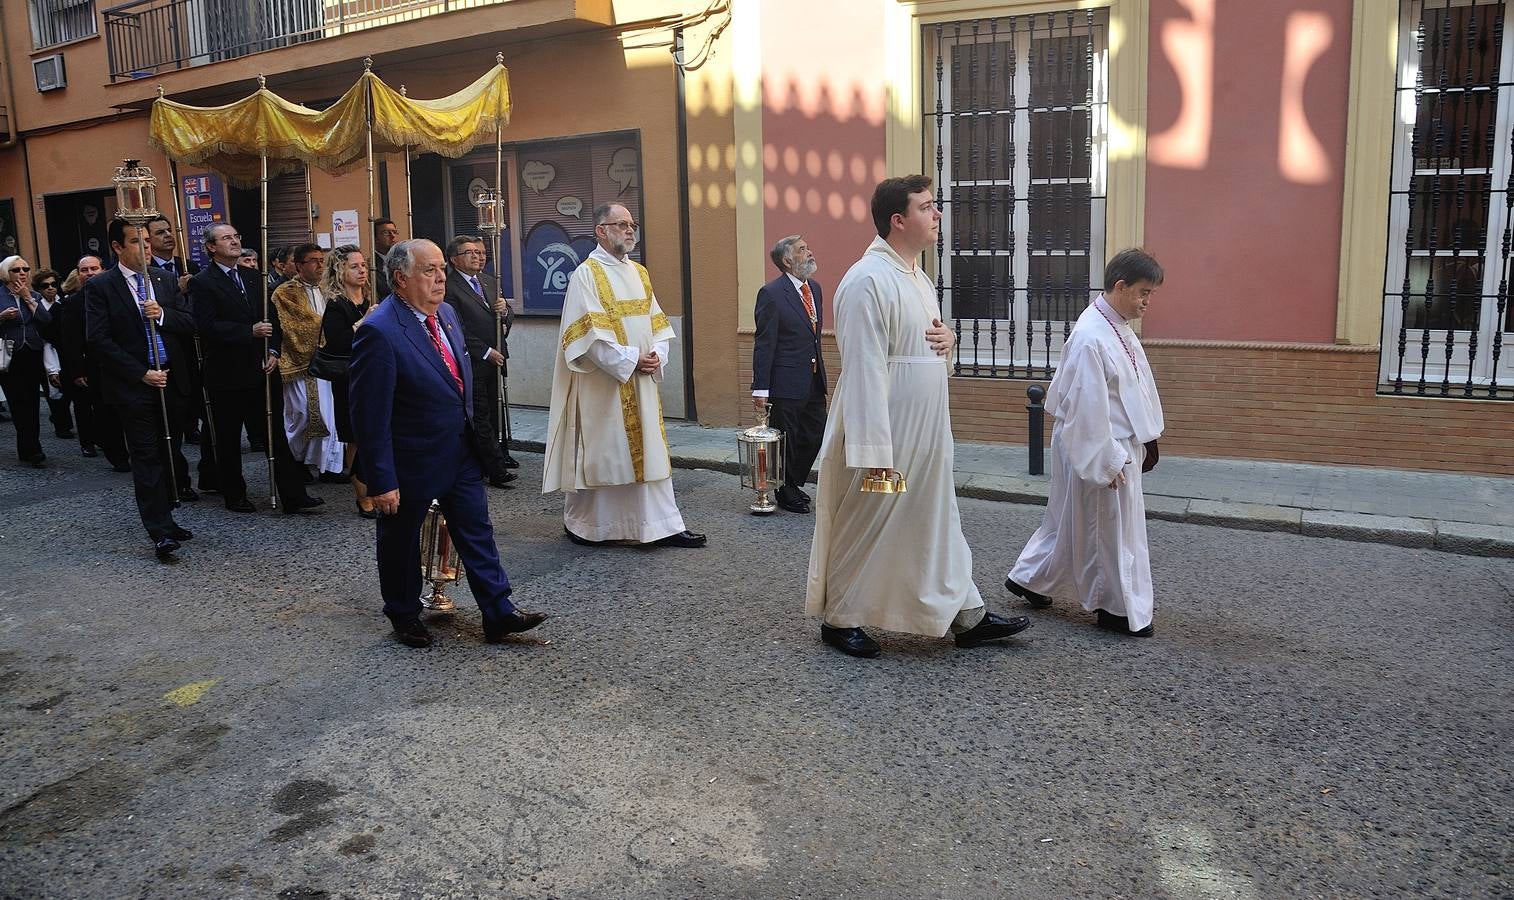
(1091, 545)
(606, 450)
(309, 409)
(893, 561)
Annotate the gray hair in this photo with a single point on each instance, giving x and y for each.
(457, 243)
(602, 213)
(780, 251)
(401, 257)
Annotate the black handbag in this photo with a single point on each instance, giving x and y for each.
(329, 366)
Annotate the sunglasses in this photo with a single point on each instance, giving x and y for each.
(49, 285)
(20, 268)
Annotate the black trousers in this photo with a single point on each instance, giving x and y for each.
(23, 385)
(486, 417)
(803, 425)
(233, 410)
(59, 412)
(143, 423)
(84, 412)
(109, 433)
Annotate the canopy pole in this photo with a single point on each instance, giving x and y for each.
(273, 488)
(209, 431)
(309, 203)
(373, 297)
(409, 203)
(503, 413)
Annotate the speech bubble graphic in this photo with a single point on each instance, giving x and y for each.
(624, 166)
(538, 175)
(570, 206)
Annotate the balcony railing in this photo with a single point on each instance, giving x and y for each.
(146, 37)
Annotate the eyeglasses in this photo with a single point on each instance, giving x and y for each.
(470, 253)
(624, 226)
(228, 236)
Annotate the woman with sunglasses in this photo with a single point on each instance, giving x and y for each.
(45, 283)
(22, 320)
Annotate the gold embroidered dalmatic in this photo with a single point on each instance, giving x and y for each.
(601, 431)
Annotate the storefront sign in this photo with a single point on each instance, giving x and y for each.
(204, 198)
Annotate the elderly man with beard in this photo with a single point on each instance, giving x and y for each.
(788, 372)
(605, 445)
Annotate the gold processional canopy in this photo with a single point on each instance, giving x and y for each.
(233, 139)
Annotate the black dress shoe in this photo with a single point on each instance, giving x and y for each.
(164, 547)
(513, 623)
(503, 481)
(851, 641)
(369, 513)
(682, 539)
(180, 533)
(411, 633)
(208, 488)
(510, 462)
(38, 460)
(992, 628)
(241, 506)
(89, 452)
(188, 494)
(1039, 601)
(65, 434)
(1121, 625)
(304, 506)
(583, 541)
(333, 478)
(794, 506)
(122, 466)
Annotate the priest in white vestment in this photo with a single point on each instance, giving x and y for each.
(309, 408)
(1091, 545)
(896, 561)
(606, 450)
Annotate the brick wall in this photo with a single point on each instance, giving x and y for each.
(1288, 403)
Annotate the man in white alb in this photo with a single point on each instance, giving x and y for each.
(605, 446)
(1092, 542)
(309, 410)
(896, 561)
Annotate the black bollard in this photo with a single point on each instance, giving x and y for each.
(1037, 428)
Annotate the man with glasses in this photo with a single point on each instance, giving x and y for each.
(605, 445)
(228, 309)
(474, 295)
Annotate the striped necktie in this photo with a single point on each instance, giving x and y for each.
(154, 337)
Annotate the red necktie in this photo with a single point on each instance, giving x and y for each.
(809, 303)
(441, 347)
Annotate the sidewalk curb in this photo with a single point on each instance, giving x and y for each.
(1449, 537)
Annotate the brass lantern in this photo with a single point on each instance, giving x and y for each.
(761, 449)
(440, 564)
(136, 192)
(490, 206)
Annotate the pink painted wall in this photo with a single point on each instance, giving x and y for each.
(1244, 183)
(822, 128)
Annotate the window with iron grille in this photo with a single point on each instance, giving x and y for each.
(1016, 113)
(61, 21)
(1447, 321)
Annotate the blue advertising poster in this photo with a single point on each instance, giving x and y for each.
(204, 198)
(550, 258)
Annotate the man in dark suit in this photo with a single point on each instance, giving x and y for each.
(139, 365)
(228, 309)
(474, 295)
(788, 370)
(164, 245)
(385, 234)
(412, 413)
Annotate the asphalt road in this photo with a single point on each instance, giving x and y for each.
(1313, 719)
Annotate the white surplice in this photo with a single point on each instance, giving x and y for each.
(1091, 545)
(605, 449)
(326, 452)
(893, 561)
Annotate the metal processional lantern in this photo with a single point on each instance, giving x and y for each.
(440, 564)
(761, 451)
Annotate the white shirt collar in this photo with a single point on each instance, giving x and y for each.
(798, 285)
(131, 280)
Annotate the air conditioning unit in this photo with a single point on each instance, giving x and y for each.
(48, 70)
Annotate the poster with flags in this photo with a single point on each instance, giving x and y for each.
(204, 199)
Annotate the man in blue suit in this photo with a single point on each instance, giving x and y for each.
(788, 370)
(412, 412)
